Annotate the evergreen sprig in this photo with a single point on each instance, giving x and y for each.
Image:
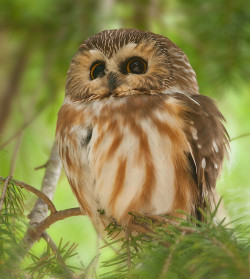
(13, 225)
(184, 250)
(53, 262)
(13, 199)
(12, 222)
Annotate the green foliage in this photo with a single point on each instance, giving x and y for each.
(11, 219)
(52, 263)
(14, 200)
(184, 251)
(219, 42)
(13, 225)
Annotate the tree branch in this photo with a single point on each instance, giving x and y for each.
(22, 128)
(33, 190)
(15, 153)
(35, 233)
(38, 193)
(53, 170)
(240, 136)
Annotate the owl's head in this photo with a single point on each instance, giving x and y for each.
(125, 62)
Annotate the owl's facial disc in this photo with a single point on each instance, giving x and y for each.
(132, 69)
(127, 62)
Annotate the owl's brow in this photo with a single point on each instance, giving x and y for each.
(83, 46)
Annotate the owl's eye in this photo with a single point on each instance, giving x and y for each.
(97, 70)
(136, 66)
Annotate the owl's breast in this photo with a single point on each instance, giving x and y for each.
(124, 155)
(133, 158)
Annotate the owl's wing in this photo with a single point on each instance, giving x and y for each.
(73, 135)
(208, 141)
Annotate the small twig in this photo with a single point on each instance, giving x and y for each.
(240, 136)
(107, 244)
(7, 180)
(15, 153)
(42, 166)
(22, 128)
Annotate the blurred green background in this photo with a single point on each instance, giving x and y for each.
(38, 39)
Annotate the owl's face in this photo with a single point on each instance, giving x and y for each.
(127, 62)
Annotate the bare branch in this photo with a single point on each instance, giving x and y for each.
(34, 233)
(53, 170)
(22, 128)
(15, 153)
(109, 245)
(240, 136)
(42, 166)
(38, 193)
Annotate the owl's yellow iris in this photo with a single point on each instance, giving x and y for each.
(136, 66)
(97, 70)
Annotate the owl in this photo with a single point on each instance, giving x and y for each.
(134, 134)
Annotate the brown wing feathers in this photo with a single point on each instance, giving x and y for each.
(208, 139)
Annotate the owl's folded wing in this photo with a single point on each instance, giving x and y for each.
(208, 141)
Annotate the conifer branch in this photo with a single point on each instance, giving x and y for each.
(143, 223)
(6, 183)
(33, 190)
(169, 257)
(40, 209)
(54, 248)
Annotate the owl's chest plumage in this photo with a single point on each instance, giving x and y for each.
(126, 154)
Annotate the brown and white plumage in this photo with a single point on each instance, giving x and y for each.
(146, 141)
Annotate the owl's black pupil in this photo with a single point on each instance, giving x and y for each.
(98, 71)
(137, 67)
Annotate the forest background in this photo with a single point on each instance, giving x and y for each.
(38, 40)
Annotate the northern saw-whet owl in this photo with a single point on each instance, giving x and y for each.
(134, 134)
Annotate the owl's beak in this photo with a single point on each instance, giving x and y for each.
(112, 81)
